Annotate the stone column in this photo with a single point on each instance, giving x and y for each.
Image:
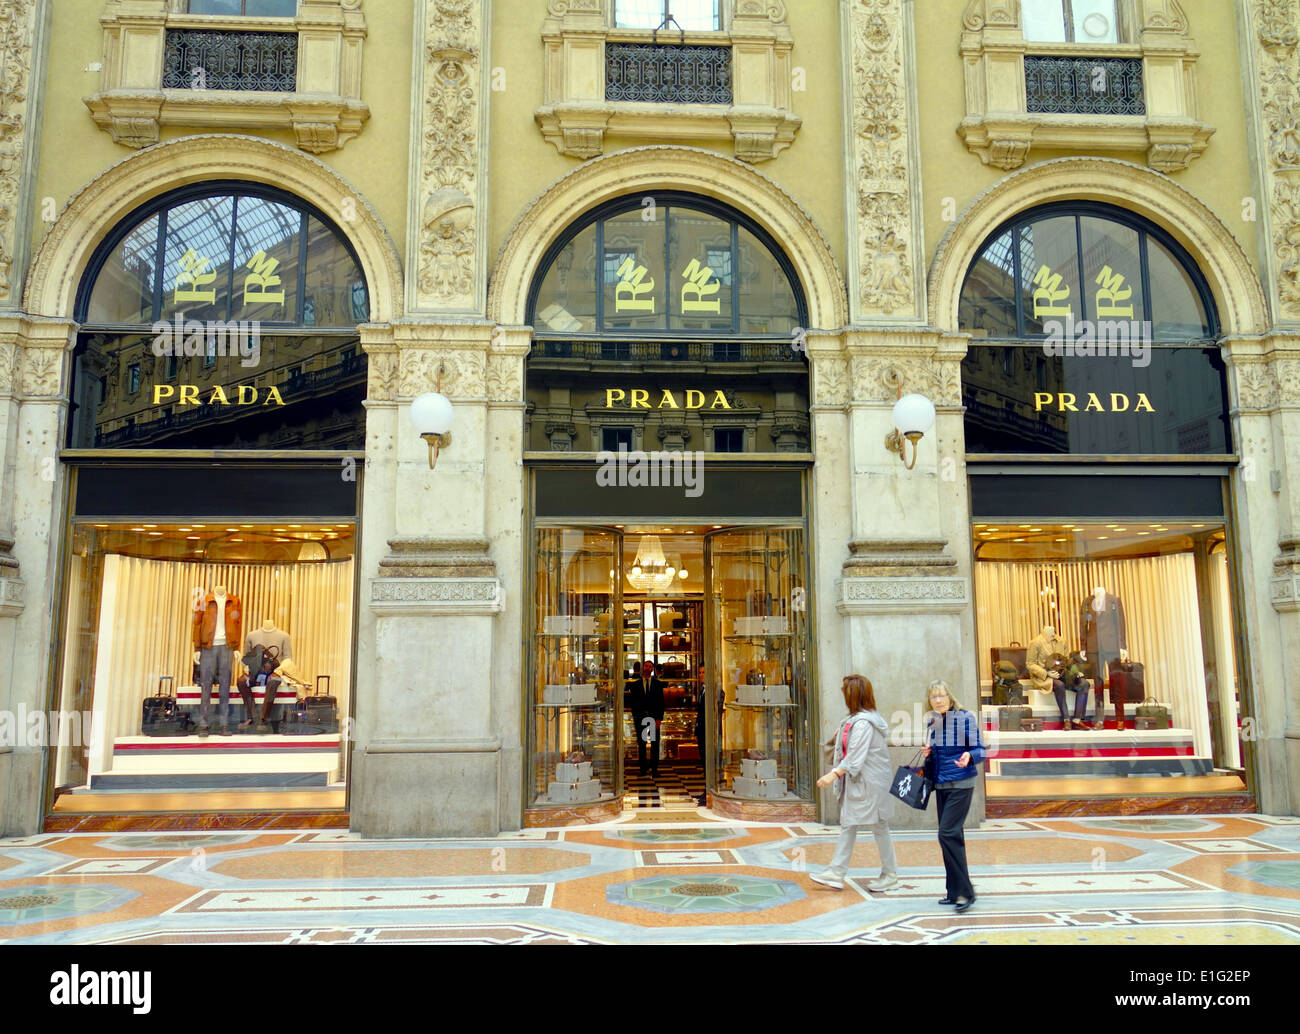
(438, 749)
(33, 362)
(902, 557)
(1266, 378)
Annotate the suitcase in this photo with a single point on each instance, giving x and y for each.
(1143, 722)
(1015, 653)
(312, 715)
(1010, 718)
(1031, 725)
(161, 715)
(1128, 682)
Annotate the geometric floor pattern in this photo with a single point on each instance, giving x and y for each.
(664, 873)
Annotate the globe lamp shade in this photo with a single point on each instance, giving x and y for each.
(431, 413)
(913, 415)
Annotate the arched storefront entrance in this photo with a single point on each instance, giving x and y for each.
(1100, 449)
(212, 461)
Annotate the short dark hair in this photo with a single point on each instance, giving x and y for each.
(858, 694)
(647, 665)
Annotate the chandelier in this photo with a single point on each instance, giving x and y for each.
(651, 570)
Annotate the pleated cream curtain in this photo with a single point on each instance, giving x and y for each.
(1015, 600)
(144, 628)
(1221, 602)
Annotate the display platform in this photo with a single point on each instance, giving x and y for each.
(220, 762)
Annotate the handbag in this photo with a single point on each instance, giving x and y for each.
(312, 715)
(912, 786)
(1156, 712)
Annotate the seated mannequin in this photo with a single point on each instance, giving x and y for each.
(1046, 659)
(267, 648)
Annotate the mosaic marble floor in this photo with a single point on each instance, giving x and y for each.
(672, 877)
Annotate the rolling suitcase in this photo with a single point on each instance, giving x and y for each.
(161, 715)
(1015, 653)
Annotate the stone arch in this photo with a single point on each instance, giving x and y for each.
(1220, 256)
(115, 193)
(667, 168)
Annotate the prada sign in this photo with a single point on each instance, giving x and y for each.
(1069, 402)
(640, 398)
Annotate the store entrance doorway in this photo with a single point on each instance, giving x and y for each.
(670, 665)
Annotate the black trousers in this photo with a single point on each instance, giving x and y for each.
(953, 805)
(641, 746)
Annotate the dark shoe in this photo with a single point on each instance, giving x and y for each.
(223, 730)
(947, 901)
(202, 730)
(262, 727)
(962, 906)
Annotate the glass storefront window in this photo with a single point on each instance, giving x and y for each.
(575, 668)
(143, 598)
(1117, 635)
(759, 633)
(634, 267)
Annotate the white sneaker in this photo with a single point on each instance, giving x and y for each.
(828, 880)
(882, 882)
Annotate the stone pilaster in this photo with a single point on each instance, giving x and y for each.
(883, 190)
(22, 45)
(446, 254)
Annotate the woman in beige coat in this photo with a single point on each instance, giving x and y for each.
(861, 774)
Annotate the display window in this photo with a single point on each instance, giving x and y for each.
(1108, 659)
(208, 656)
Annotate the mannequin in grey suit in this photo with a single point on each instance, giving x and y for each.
(1104, 636)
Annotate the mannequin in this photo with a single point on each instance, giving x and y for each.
(1045, 658)
(217, 626)
(261, 667)
(1104, 635)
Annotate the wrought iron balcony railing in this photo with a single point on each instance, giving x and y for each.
(778, 351)
(1084, 86)
(667, 73)
(201, 59)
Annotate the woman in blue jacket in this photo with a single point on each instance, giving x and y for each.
(953, 750)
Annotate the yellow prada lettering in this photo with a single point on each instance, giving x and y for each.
(188, 395)
(691, 398)
(1068, 402)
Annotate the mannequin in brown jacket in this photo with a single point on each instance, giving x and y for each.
(217, 629)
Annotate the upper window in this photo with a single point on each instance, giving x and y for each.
(1072, 21)
(688, 15)
(1083, 263)
(226, 254)
(250, 8)
(676, 266)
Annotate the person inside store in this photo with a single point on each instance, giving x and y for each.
(861, 775)
(703, 798)
(647, 705)
(953, 751)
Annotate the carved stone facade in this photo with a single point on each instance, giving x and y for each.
(18, 21)
(448, 225)
(324, 109)
(880, 122)
(1276, 36)
(576, 116)
(1000, 129)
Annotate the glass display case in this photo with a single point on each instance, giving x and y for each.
(758, 617)
(575, 668)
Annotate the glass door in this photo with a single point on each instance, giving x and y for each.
(575, 668)
(757, 698)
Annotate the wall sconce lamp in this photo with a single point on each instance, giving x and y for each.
(431, 414)
(913, 415)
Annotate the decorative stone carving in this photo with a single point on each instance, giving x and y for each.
(381, 377)
(17, 31)
(324, 109)
(830, 381)
(791, 432)
(1279, 92)
(1285, 584)
(1255, 386)
(463, 372)
(561, 433)
(505, 378)
(41, 368)
(999, 128)
(449, 174)
(674, 436)
(880, 148)
(433, 575)
(8, 370)
(877, 557)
